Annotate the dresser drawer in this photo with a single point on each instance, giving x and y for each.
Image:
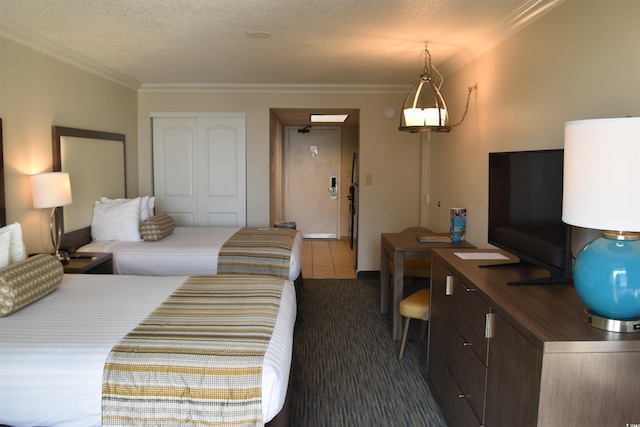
(469, 317)
(468, 370)
(456, 409)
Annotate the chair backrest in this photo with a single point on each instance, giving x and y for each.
(416, 230)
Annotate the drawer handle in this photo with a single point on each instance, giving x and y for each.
(467, 344)
(469, 289)
(463, 396)
(448, 286)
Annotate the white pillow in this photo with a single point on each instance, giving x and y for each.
(108, 200)
(144, 209)
(17, 250)
(116, 221)
(151, 205)
(146, 205)
(5, 243)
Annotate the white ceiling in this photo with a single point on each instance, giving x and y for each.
(313, 43)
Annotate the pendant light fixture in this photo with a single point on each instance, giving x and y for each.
(424, 108)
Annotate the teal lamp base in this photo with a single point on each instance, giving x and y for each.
(606, 276)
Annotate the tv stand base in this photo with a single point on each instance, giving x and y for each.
(539, 281)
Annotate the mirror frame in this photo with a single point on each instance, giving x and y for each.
(3, 203)
(76, 238)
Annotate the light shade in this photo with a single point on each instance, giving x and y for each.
(424, 108)
(51, 190)
(601, 174)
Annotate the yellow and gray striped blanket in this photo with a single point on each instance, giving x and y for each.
(197, 359)
(262, 251)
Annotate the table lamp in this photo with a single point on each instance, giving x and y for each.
(602, 191)
(52, 190)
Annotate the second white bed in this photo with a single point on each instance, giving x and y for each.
(187, 251)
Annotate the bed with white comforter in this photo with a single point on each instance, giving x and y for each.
(186, 251)
(52, 352)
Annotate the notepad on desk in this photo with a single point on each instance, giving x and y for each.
(433, 238)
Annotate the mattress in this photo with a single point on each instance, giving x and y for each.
(52, 352)
(186, 251)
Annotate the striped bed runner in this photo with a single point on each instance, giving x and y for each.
(197, 359)
(263, 251)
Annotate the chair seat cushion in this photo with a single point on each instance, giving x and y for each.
(416, 306)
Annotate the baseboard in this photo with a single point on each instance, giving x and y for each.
(374, 274)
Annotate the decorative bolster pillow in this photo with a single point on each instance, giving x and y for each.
(27, 281)
(157, 228)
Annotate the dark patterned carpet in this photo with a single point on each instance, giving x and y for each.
(347, 371)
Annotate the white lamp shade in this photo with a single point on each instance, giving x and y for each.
(435, 116)
(50, 190)
(601, 174)
(425, 117)
(413, 117)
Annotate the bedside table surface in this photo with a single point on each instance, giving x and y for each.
(100, 262)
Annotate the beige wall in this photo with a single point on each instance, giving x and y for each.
(37, 92)
(392, 157)
(580, 61)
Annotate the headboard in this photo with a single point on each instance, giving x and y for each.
(96, 165)
(3, 210)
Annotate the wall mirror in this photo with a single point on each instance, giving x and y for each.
(96, 165)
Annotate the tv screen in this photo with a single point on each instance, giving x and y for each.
(525, 210)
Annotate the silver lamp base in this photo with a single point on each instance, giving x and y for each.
(613, 325)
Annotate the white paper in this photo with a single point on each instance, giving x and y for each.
(480, 255)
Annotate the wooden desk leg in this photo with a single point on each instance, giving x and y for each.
(384, 280)
(398, 288)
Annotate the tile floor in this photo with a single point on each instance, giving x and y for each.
(328, 259)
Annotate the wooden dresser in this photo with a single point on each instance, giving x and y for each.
(503, 355)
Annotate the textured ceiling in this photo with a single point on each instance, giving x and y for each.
(320, 42)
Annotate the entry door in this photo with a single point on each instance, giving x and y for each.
(312, 196)
(200, 169)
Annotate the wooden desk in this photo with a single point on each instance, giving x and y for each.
(402, 246)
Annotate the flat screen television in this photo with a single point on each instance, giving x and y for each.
(525, 211)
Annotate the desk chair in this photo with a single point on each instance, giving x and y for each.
(415, 306)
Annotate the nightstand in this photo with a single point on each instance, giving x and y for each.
(90, 263)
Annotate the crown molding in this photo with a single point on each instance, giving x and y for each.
(273, 88)
(27, 38)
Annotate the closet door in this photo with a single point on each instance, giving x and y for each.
(200, 169)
